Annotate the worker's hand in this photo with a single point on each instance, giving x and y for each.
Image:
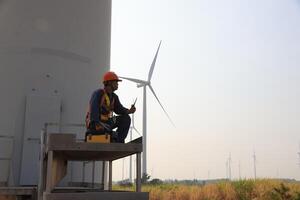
(132, 109)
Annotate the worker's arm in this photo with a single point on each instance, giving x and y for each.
(95, 107)
(120, 109)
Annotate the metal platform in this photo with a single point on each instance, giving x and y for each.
(60, 148)
(68, 148)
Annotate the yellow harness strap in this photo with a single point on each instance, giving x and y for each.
(105, 101)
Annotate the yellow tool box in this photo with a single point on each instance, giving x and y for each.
(98, 138)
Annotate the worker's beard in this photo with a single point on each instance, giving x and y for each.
(116, 88)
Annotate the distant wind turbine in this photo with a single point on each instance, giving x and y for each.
(254, 164)
(299, 154)
(239, 170)
(226, 164)
(229, 166)
(144, 84)
(132, 128)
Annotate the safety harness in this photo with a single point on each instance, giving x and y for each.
(106, 106)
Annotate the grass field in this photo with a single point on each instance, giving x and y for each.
(263, 189)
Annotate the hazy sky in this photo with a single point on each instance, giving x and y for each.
(228, 75)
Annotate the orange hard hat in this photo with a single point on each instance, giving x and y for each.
(110, 76)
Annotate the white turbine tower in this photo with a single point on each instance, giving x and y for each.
(254, 164)
(144, 84)
(226, 164)
(299, 154)
(132, 128)
(229, 166)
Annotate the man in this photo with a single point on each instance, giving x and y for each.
(103, 103)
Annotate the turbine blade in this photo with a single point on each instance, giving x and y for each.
(134, 80)
(161, 105)
(153, 64)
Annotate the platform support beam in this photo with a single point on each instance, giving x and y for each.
(110, 176)
(138, 172)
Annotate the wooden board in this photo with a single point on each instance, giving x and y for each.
(69, 149)
(11, 193)
(7, 197)
(97, 196)
(59, 168)
(61, 148)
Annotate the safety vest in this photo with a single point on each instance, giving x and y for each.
(106, 106)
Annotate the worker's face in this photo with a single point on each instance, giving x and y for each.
(114, 85)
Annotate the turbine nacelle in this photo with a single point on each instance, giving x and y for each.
(142, 84)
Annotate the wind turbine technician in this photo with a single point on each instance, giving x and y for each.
(103, 103)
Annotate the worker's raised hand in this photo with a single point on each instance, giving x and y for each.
(132, 109)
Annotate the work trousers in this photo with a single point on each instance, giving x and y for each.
(122, 124)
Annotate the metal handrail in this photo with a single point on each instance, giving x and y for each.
(43, 143)
(63, 125)
(7, 136)
(46, 125)
(7, 158)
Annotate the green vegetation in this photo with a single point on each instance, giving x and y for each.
(244, 189)
(262, 189)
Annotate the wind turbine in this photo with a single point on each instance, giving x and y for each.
(299, 154)
(132, 128)
(229, 166)
(254, 164)
(145, 84)
(227, 169)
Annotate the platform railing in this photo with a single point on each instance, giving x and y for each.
(78, 125)
(8, 159)
(43, 142)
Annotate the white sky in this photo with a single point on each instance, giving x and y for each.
(228, 75)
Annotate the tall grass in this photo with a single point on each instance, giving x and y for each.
(263, 189)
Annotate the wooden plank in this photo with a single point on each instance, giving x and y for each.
(60, 138)
(98, 196)
(85, 146)
(98, 153)
(59, 168)
(93, 156)
(18, 190)
(8, 197)
(80, 151)
(60, 152)
(49, 184)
